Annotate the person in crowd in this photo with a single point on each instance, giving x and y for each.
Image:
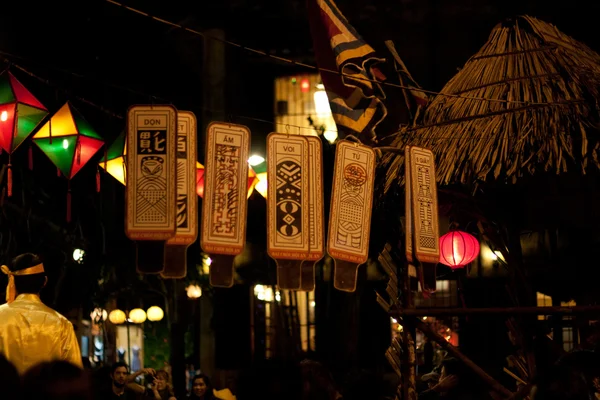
(456, 383)
(271, 380)
(202, 388)
(9, 380)
(561, 382)
(318, 382)
(161, 387)
(31, 332)
(123, 386)
(56, 380)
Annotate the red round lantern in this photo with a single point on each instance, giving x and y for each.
(458, 249)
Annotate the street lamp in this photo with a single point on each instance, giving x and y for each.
(155, 313)
(194, 291)
(118, 317)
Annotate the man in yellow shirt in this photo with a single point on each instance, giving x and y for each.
(31, 332)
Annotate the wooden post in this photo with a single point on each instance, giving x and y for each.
(494, 384)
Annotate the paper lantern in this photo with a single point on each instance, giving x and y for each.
(458, 249)
(199, 179)
(261, 176)
(155, 313)
(20, 114)
(68, 140)
(115, 158)
(137, 316)
(252, 179)
(117, 317)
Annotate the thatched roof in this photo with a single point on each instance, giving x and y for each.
(544, 89)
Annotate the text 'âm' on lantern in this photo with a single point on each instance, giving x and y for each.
(252, 180)
(20, 114)
(115, 158)
(458, 249)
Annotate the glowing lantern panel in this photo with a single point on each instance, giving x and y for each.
(137, 315)
(68, 140)
(114, 160)
(458, 249)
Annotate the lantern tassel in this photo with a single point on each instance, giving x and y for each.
(97, 180)
(9, 181)
(30, 157)
(58, 172)
(78, 152)
(69, 202)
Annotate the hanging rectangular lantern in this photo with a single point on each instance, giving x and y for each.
(288, 215)
(151, 182)
(422, 237)
(350, 215)
(224, 205)
(187, 199)
(316, 226)
(422, 197)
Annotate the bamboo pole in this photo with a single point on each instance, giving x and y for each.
(494, 384)
(422, 312)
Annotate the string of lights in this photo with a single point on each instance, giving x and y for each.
(316, 68)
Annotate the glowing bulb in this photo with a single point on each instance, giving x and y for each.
(255, 160)
(330, 136)
(78, 255)
(321, 104)
(65, 144)
(3, 116)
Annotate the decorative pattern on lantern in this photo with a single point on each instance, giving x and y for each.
(69, 142)
(20, 114)
(252, 180)
(458, 249)
(114, 159)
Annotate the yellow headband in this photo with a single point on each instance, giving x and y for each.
(11, 291)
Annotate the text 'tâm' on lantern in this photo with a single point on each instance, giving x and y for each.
(68, 140)
(155, 313)
(137, 316)
(117, 317)
(458, 249)
(114, 159)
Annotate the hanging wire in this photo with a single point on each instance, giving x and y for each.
(316, 68)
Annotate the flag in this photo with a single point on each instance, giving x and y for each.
(355, 96)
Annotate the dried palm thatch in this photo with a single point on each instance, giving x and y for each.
(541, 114)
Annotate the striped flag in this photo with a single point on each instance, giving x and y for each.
(355, 99)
